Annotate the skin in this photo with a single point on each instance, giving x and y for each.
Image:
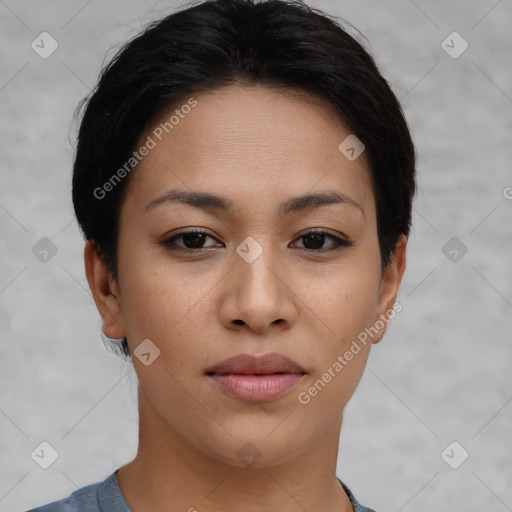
(257, 147)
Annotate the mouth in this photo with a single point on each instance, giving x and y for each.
(256, 378)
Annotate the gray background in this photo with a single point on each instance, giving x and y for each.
(442, 373)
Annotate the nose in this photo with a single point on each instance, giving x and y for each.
(256, 294)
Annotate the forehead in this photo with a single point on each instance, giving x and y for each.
(251, 144)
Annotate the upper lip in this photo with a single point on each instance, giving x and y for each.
(247, 364)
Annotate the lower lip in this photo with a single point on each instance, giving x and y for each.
(256, 388)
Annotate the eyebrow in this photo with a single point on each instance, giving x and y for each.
(209, 201)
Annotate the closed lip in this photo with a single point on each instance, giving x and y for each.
(248, 364)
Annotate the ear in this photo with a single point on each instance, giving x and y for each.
(105, 292)
(390, 285)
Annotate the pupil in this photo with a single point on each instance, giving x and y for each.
(317, 237)
(194, 239)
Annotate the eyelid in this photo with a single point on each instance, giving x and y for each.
(323, 231)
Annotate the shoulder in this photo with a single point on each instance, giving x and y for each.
(357, 506)
(96, 497)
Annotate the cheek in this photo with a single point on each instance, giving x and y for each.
(343, 300)
(341, 357)
(356, 306)
(165, 305)
(151, 300)
(345, 304)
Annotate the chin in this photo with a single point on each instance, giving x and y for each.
(266, 448)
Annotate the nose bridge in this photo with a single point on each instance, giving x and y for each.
(258, 268)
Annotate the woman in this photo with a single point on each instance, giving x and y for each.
(244, 180)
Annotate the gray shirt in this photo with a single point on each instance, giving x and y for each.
(106, 496)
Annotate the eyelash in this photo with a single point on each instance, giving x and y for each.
(339, 243)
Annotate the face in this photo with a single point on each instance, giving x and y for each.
(266, 274)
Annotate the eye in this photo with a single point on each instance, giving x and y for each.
(193, 241)
(315, 239)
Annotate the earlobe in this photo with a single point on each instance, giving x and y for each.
(390, 285)
(101, 285)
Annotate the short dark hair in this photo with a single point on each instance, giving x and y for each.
(283, 44)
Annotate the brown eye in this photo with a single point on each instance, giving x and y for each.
(193, 241)
(314, 241)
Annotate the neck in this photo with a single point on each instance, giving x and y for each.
(170, 473)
